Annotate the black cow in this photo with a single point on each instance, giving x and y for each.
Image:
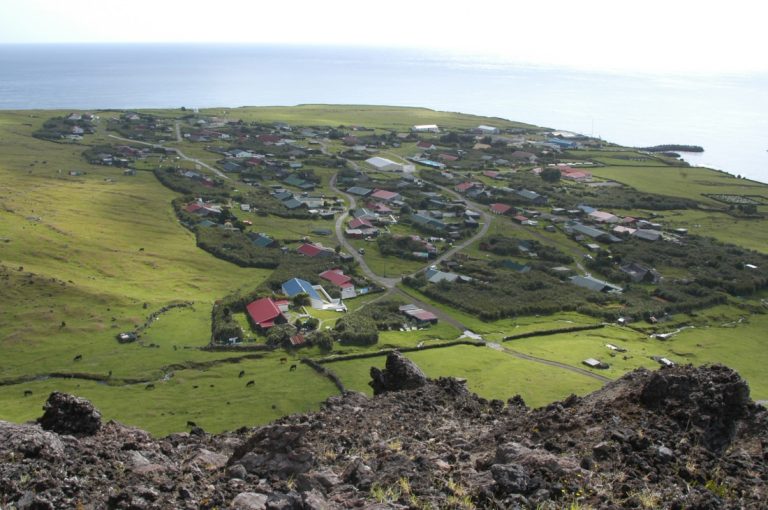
(241, 374)
(78, 357)
(249, 384)
(292, 368)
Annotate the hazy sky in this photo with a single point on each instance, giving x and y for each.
(648, 35)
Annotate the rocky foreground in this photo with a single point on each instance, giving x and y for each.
(680, 437)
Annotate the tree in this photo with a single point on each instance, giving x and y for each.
(550, 175)
(324, 340)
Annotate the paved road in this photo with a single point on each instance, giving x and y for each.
(178, 152)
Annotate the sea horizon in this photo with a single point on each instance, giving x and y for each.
(722, 113)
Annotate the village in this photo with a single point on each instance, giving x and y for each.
(494, 222)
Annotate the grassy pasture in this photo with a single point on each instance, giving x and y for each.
(489, 373)
(384, 117)
(95, 248)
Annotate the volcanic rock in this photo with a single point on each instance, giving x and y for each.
(67, 414)
(399, 373)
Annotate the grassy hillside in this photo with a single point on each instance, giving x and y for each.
(85, 257)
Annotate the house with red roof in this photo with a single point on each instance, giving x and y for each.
(385, 196)
(493, 174)
(419, 315)
(314, 250)
(265, 313)
(500, 208)
(466, 186)
(339, 279)
(269, 139)
(567, 172)
(520, 218)
(448, 158)
(425, 146)
(360, 223)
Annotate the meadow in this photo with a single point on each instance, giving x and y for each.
(85, 257)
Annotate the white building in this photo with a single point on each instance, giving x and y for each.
(426, 128)
(384, 164)
(488, 130)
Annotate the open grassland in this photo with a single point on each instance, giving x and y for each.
(747, 232)
(83, 258)
(489, 373)
(216, 398)
(683, 182)
(386, 117)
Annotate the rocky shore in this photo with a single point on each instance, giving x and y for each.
(676, 438)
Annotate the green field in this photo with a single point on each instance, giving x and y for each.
(489, 373)
(83, 258)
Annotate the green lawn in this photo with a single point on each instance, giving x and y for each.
(682, 182)
(489, 373)
(383, 117)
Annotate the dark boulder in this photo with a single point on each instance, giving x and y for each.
(400, 373)
(68, 414)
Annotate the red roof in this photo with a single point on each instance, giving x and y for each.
(310, 250)
(448, 157)
(500, 208)
(464, 186)
(383, 194)
(263, 312)
(425, 145)
(491, 173)
(336, 277)
(269, 138)
(521, 218)
(422, 315)
(297, 340)
(193, 207)
(359, 222)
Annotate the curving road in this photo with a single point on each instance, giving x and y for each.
(178, 152)
(390, 283)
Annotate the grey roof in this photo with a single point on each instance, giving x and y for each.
(292, 203)
(647, 235)
(593, 232)
(591, 283)
(529, 195)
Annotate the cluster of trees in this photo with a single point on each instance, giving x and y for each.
(496, 293)
(710, 264)
(511, 247)
(362, 326)
(234, 246)
(57, 128)
(402, 247)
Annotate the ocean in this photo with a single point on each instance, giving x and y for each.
(725, 114)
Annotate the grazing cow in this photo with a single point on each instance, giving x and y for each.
(211, 385)
(191, 424)
(292, 368)
(249, 384)
(274, 406)
(149, 386)
(194, 387)
(78, 357)
(242, 373)
(27, 393)
(283, 361)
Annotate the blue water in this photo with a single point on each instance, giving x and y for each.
(726, 114)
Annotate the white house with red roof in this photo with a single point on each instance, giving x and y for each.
(339, 279)
(425, 146)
